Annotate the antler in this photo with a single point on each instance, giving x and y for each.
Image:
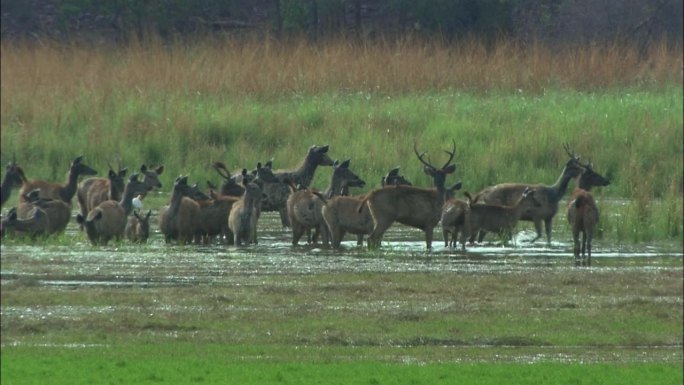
(221, 169)
(571, 154)
(451, 154)
(420, 157)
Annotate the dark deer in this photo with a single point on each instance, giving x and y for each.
(276, 194)
(64, 192)
(108, 220)
(304, 206)
(14, 178)
(507, 194)
(498, 218)
(179, 219)
(36, 225)
(93, 191)
(232, 184)
(393, 178)
(244, 215)
(57, 211)
(412, 206)
(583, 213)
(138, 227)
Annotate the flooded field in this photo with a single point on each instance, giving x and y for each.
(315, 296)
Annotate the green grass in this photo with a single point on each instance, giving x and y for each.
(211, 364)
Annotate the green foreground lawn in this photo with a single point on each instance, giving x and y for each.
(212, 364)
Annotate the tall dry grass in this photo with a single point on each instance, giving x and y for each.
(49, 73)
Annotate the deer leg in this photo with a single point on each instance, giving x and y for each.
(589, 238)
(445, 233)
(428, 237)
(576, 247)
(480, 236)
(297, 232)
(547, 227)
(284, 219)
(538, 229)
(359, 240)
(375, 236)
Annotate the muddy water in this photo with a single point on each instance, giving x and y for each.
(76, 262)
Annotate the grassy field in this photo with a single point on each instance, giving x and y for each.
(508, 108)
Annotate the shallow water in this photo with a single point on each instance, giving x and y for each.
(76, 262)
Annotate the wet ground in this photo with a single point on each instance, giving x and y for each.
(76, 262)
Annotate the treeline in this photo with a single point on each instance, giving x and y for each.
(549, 21)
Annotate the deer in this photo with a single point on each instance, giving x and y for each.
(500, 219)
(412, 206)
(304, 207)
(108, 220)
(548, 196)
(138, 227)
(393, 178)
(276, 194)
(455, 220)
(215, 210)
(179, 219)
(244, 215)
(93, 191)
(66, 191)
(583, 213)
(232, 184)
(341, 215)
(36, 225)
(14, 178)
(57, 211)
(151, 177)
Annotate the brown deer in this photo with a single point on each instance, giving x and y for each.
(304, 207)
(151, 177)
(179, 219)
(108, 220)
(412, 206)
(276, 194)
(14, 178)
(583, 213)
(244, 215)
(64, 192)
(341, 215)
(57, 211)
(548, 196)
(455, 220)
(498, 218)
(36, 225)
(214, 212)
(93, 191)
(138, 227)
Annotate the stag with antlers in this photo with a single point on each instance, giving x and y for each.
(412, 206)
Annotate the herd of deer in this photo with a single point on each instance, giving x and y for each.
(231, 212)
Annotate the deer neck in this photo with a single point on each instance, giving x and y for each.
(335, 187)
(176, 198)
(68, 191)
(6, 188)
(559, 188)
(305, 173)
(126, 201)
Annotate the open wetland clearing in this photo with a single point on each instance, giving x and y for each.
(112, 311)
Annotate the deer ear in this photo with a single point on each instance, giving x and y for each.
(336, 163)
(112, 174)
(449, 169)
(393, 172)
(159, 170)
(143, 168)
(323, 149)
(122, 172)
(429, 170)
(345, 164)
